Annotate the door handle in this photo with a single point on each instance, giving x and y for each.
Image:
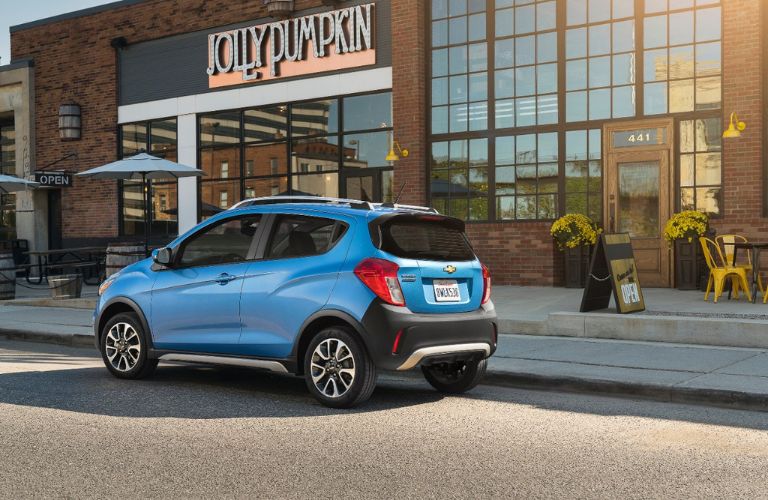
(612, 214)
(224, 278)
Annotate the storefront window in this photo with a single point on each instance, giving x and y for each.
(701, 165)
(7, 167)
(583, 173)
(459, 66)
(683, 57)
(459, 178)
(158, 138)
(304, 148)
(600, 60)
(527, 176)
(561, 69)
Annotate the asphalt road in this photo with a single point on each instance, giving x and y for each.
(69, 429)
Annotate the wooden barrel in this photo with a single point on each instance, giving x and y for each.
(120, 255)
(7, 277)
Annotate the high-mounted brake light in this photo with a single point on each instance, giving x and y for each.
(486, 284)
(381, 277)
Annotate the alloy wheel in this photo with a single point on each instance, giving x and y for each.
(333, 368)
(123, 347)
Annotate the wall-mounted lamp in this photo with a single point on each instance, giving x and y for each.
(70, 124)
(281, 9)
(735, 128)
(392, 156)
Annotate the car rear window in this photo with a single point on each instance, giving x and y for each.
(438, 239)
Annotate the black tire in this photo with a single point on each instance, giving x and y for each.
(358, 388)
(455, 378)
(120, 365)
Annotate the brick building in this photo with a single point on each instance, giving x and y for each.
(513, 112)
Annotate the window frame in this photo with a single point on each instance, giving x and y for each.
(147, 149)
(562, 126)
(340, 227)
(252, 254)
(288, 142)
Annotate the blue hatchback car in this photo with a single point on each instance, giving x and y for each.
(332, 290)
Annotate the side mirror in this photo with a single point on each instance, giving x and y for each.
(163, 256)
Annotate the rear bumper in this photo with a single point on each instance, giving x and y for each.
(427, 338)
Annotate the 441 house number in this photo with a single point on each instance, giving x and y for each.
(639, 137)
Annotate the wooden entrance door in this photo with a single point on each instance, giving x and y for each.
(638, 194)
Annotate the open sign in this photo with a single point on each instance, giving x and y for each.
(53, 179)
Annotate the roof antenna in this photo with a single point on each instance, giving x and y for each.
(397, 198)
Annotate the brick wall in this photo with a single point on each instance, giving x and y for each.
(409, 97)
(743, 164)
(74, 61)
(520, 254)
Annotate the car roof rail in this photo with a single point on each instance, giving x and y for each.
(273, 200)
(416, 208)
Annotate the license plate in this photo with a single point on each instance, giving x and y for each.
(446, 291)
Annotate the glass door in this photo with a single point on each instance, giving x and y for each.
(638, 194)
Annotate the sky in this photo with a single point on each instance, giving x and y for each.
(13, 12)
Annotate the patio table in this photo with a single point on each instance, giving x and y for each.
(46, 259)
(755, 248)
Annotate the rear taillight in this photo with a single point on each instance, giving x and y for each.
(486, 284)
(381, 277)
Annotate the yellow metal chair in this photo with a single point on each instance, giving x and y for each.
(727, 242)
(719, 271)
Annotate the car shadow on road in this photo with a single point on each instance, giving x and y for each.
(617, 405)
(192, 392)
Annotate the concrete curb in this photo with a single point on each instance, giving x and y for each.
(717, 332)
(82, 303)
(520, 380)
(685, 395)
(76, 340)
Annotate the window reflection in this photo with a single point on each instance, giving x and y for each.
(134, 139)
(700, 165)
(690, 59)
(220, 129)
(265, 124)
(315, 118)
(368, 111)
(365, 150)
(294, 148)
(680, 53)
(159, 138)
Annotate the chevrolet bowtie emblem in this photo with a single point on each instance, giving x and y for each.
(449, 269)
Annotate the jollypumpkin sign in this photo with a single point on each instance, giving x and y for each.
(613, 269)
(316, 43)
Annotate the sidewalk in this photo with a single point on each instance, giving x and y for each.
(671, 316)
(722, 376)
(719, 376)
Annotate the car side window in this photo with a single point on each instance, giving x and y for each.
(303, 236)
(225, 242)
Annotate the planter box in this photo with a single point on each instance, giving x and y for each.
(577, 266)
(689, 265)
(66, 286)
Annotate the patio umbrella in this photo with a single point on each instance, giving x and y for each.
(144, 167)
(11, 184)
